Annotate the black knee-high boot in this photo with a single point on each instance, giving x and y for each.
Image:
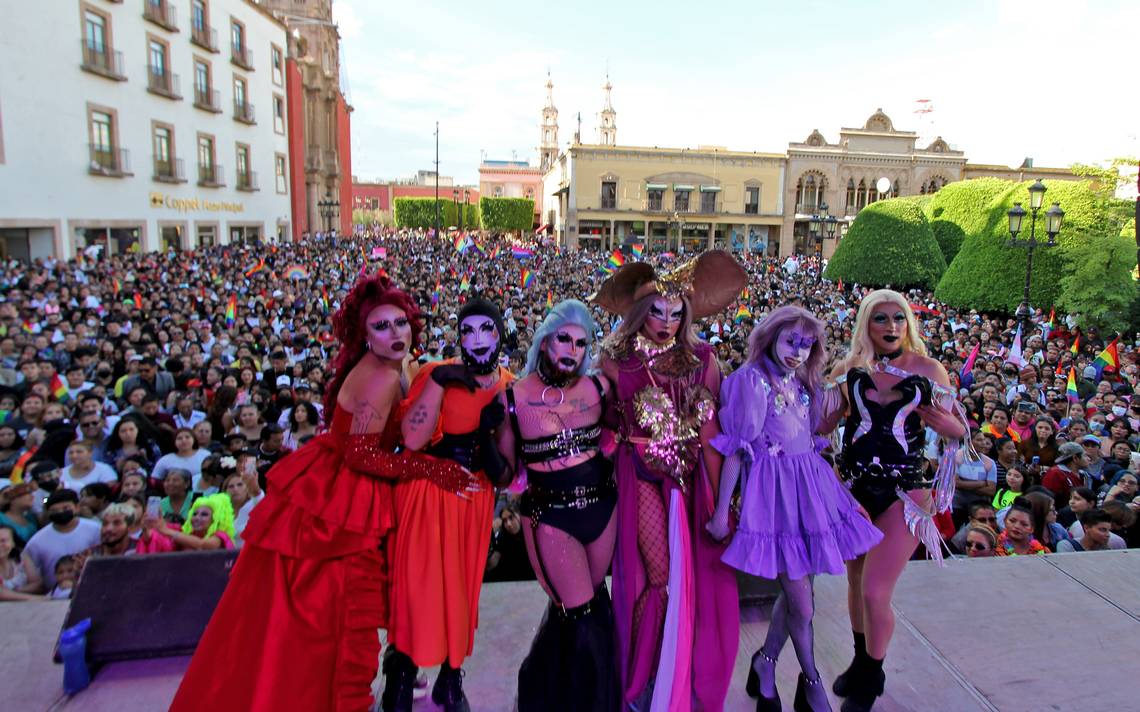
(842, 685)
(399, 681)
(448, 689)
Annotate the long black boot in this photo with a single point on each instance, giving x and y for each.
(593, 677)
(866, 687)
(842, 685)
(399, 681)
(448, 689)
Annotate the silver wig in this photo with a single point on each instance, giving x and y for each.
(567, 311)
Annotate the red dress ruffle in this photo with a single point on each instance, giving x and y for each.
(297, 628)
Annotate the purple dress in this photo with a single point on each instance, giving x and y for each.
(796, 517)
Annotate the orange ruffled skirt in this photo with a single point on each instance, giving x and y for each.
(437, 553)
(297, 628)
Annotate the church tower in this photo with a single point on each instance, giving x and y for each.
(607, 130)
(548, 148)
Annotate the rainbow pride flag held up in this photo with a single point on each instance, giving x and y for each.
(116, 286)
(465, 283)
(966, 375)
(1071, 386)
(255, 267)
(495, 252)
(638, 249)
(1107, 358)
(742, 313)
(296, 272)
(1047, 327)
(231, 311)
(527, 278)
(138, 301)
(59, 389)
(522, 253)
(549, 299)
(27, 327)
(325, 300)
(1076, 347)
(616, 260)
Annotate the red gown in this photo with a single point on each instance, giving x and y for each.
(297, 626)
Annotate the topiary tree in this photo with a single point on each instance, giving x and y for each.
(890, 242)
(987, 274)
(507, 214)
(949, 237)
(1098, 285)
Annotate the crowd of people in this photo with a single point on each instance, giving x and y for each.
(144, 398)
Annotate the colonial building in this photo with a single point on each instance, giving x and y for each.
(599, 197)
(130, 126)
(381, 195)
(319, 114)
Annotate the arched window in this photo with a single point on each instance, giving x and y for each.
(895, 189)
(861, 195)
(809, 193)
(850, 194)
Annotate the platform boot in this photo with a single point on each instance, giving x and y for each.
(842, 685)
(866, 687)
(399, 681)
(448, 689)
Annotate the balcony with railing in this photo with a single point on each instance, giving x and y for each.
(240, 55)
(247, 181)
(207, 99)
(108, 161)
(163, 82)
(162, 13)
(689, 207)
(807, 208)
(243, 112)
(211, 175)
(205, 37)
(169, 170)
(103, 60)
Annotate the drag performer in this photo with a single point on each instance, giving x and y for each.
(439, 548)
(796, 518)
(555, 412)
(675, 602)
(297, 625)
(892, 391)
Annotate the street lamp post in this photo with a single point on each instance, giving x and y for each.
(1054, 217)
(455, 201)
(821, 226)
(679, 222)
(329, 210)
(466, 196)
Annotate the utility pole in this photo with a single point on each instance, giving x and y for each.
(437, 179)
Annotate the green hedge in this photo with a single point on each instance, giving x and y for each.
(890, 242)
(420, 212)
(507, 214)
(1098, 283)
(987, 274)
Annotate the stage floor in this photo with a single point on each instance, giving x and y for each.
(1015, 635)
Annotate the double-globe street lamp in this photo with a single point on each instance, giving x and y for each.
(1054, 216)
(458, 208)
(329, 210)
(822, 225)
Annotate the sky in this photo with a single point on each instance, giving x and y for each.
(1007, 79)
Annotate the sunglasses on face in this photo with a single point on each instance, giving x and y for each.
(977, 546)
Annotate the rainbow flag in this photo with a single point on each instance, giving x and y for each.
(27, 327)
(231, 311)
(116, 286)
(59, 389)
(495, 252)
(465, 283)
(1076, 347)
(1106, 358)
(522, 253)
(742, 313)
(1071, 386)
(325, 300)
(746, 294)
(616, 260)
(527, 278)
(966, 375)
(435, 296)
(255, 267)
(549, 300)
(1048, 326)
(296, 272)
(638, 249)
(138, 301)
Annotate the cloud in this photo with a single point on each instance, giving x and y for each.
(348, 22)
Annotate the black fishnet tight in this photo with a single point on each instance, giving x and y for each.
(653, 543)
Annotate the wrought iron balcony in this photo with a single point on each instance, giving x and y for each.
(205, 37)
(211, 175)
(208, 100)
(162, 13)
(108, 161)
(103, 60)
(247, 181)
(163, 82)
(169, 170)
(239, 55)
(243, 112)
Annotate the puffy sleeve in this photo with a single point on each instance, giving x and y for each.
(743, 405)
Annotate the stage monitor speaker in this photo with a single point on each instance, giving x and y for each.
(148, 606)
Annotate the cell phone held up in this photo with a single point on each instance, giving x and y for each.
(153, 507)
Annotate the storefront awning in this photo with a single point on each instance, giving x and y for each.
(656, 186)
(682, 186)
(710, 188)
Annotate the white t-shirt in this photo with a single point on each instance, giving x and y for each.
(242, 517)
(48, 546)
(174, 461)
(101, 473)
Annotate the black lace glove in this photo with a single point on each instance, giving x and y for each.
(455, 374)
(494, 464)
(492, 416)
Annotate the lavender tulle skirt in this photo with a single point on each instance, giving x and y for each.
(797, 519)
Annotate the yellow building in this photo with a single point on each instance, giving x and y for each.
(678, 199)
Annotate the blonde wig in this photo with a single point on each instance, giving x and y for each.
(862, 350)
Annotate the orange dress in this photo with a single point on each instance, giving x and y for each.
(438, 550)
(296, 628)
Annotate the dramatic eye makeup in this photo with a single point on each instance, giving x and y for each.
(564, 338)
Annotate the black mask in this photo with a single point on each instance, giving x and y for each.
(49, 485)
(61, 518)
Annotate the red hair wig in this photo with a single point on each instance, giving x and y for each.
(348, 326)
